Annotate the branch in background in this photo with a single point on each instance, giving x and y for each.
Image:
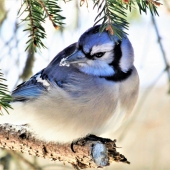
(27, 71)
(5, 98)
(18, 156)
(89, 152)
(151, 86)
(167, 66)
(5, 161)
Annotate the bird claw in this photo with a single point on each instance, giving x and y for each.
(90, 137)
(72, 145)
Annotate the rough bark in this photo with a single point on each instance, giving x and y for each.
(89, 152)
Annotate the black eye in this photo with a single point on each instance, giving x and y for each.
(98, 55)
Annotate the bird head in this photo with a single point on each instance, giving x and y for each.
(101, 54)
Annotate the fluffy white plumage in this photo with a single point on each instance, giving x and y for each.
(93, 95)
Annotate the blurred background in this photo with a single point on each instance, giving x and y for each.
(145, 137)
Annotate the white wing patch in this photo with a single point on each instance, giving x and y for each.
(64, 62)
(44, 82)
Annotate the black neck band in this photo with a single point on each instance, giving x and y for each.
(119, 74)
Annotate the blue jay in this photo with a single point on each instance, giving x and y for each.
(88, 88)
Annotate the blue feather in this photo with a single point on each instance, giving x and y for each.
(53, 74)
(29, 89)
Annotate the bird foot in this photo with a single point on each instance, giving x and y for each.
(89, 138)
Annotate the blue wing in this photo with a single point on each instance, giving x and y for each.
(38, 84)
(30, 89)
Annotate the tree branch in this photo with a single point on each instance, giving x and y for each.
(89, 152)
(167, 66)
(48, 14)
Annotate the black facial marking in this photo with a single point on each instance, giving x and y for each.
(98, 55)
(117, 56)
(90, 57)
(119, 74)
(91, 31)
(86, 54)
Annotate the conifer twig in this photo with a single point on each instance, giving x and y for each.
(49, 16)
(5, 97)
(111, 13)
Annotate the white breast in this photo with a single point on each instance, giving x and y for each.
(116, 120)
(128, 93)
(84, 106)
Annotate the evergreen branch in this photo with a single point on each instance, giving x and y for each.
(5, 97)
(52, 9)
(37, 11)
(113, 13)
(36, 18)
